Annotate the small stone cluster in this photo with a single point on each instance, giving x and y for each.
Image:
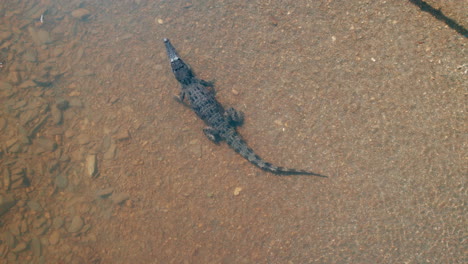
(46, 158)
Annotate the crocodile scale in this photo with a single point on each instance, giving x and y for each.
(221, 123)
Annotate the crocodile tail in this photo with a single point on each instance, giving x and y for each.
(235, 141)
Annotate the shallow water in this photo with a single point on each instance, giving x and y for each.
(100, 165)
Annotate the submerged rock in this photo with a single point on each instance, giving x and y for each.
(61, 181)
(104, 193)
(81, 13)
(46, 144)
(76, 224)
(6, 202)
(54, 237)
(119, 198)
(91, 165)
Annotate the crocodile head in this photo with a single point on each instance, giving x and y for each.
(181, 70)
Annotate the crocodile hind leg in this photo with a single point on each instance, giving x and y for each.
(236, 118)
(207, 83)
(212, 134)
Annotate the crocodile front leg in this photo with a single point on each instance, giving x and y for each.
(235, 118)
(181, 98)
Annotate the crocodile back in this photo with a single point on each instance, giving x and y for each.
(205, 105)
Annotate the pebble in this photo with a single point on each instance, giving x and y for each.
(91, 165)
(278, 122)
(36, 247)
(76, 102)
(57, 52)
(6, 202)
(3, 250)
(81, 13)
(237, 191)
(14, 77)
(24, 227)
(20, 247)
(84, 208)
(19, 104)
(27, 84)
(106, 142)
(122, 135)
(46, 144)
(38, 125)
(3, 123)
(76, 224)
(43, 80)
(15, 228)
(13, 146)
(85, 228)
(57, 116)
(35, 206)
(54, 237)
(110, 153)
(57, 222)
(41, 230)
(105, 192)
(5, 86)
(9, 239)
(5, 35)
(34, 35)
(27, 116)
(83, 139)
(113, 99)
(12, 257)
(6, 185)
(119, 198)
(44, 37)
(30, 55)
(39, 222)
(61, 181)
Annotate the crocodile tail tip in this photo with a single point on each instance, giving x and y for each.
(285, 171)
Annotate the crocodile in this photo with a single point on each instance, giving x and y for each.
(221, 122)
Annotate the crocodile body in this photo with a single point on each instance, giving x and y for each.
(221, 123)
